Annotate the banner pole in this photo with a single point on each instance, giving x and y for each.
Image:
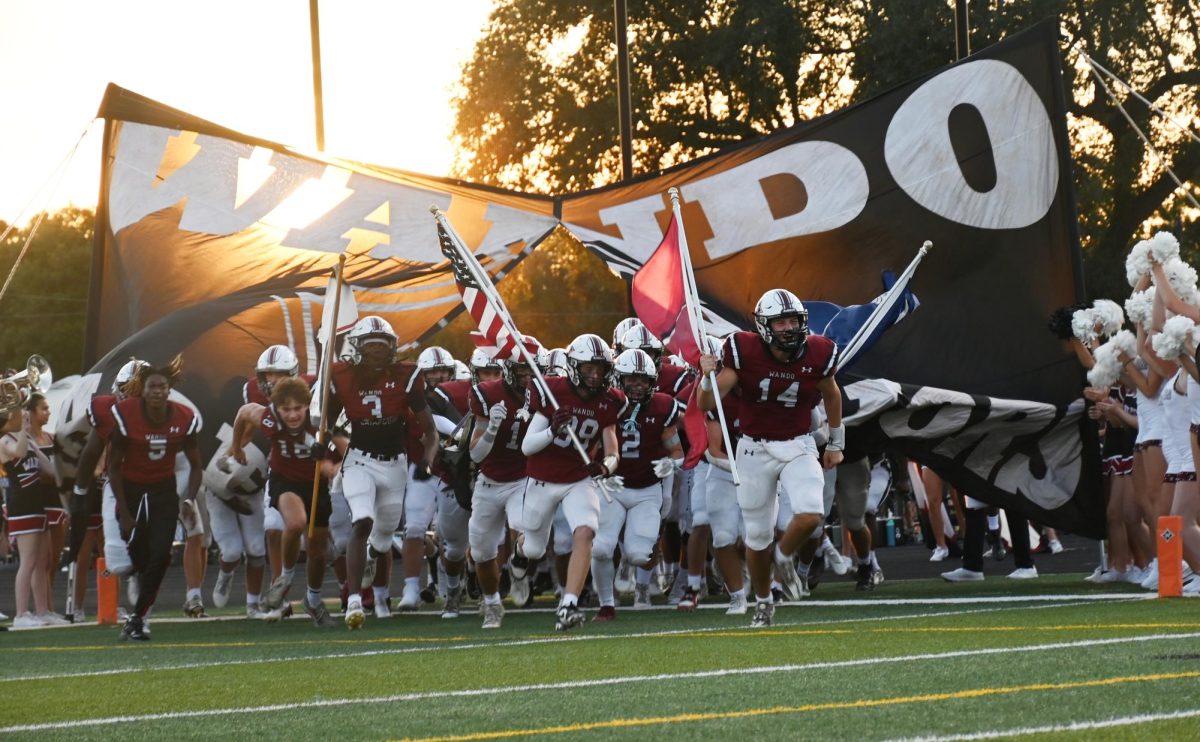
(326, 387)
(691, 299)
(493, 297)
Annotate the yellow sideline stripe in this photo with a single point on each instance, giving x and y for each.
(830, 706)
(726, 633)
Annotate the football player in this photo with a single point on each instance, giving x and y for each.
(588, 412)
(294, 457)
(781, 372)
(501, 418)
(376, 391)
(650, 453)
(150, 431)
(671, 378)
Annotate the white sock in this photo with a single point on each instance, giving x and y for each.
(354, 601)
(569, 599)
(767, 599)
(826, 547)
(251, 600)
(451, 581)
(780, 556)
(193, 593)
(735, 594)
(863, 560)
(493, 599)
(313, 597)
(643, 576)
(802, 569)
(874, 560)
(288, 573)
(381, 594)
(412, 584)
(695, 582)
(603, 574)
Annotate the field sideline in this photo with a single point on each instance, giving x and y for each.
(921, 659)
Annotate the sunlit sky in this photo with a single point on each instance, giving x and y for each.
(389, 68)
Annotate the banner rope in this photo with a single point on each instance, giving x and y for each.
(1130, 89)
(60, 170)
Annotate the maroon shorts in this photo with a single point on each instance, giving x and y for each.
(1183, 476)
(1118, 466)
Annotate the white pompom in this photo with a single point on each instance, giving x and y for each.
(1176, 333)
(1139, 307)
(1109, 315)
(1163, 247)
(1083, 324)
(1125, 344)
(1182, 278)
(1107, 365)
(1138, 262)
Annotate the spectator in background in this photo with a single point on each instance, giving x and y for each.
(56, 513)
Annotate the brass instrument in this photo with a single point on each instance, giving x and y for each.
(15, 390)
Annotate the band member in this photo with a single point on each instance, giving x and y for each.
(588, 412)
(376, 390)
(294, 457)
(650, 453)
(781, 372)
(150, 431)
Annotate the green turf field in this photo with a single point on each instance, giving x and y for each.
(913, 660)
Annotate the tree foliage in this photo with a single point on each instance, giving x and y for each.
(44, 309)
(537, 109)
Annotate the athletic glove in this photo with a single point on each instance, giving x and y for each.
(422, 472)
(611, 485)
(663, 467)
(560, 420)
(496, 416)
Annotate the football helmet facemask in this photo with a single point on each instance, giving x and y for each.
(773, 305)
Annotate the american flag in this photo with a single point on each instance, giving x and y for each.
(493, 337)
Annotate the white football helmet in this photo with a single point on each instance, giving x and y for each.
(642, 339)
(556, 362)
(623, 327)
(278, 359)
(588, 348)
(125, 375)
(635, 362)
(541, 356)
(435, 357)
(371, 329)
(480, 361)
(461, 371)
(780, 303)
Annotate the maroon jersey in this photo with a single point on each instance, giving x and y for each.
(559, 462)
(151, 449)
(640, 432)
(778, 397)
(456, 394)
(672, 378)
(100, 415)
(415, 447)
(291, 453)
(505, 462)
(378, 410)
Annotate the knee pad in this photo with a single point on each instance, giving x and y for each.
(453, 551)
(602, 547)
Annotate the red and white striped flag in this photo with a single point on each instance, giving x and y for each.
(493, 337)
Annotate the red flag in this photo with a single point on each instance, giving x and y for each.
(695, 428)
(658, 297)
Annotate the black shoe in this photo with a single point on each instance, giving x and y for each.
(776, 595)
(568, 617)
(473, 591)
(543, 583)
(134, 630)
(815, 570)
(505, 583)
(863, 580)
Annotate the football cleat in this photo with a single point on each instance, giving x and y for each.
(677, 590)
(689, 601)
(789, 579)
(134, 630)
(368, 575)
(382, 609)
(410, 600)
(519, 590)
(863, 581)
(624, 581)
(764, 615)
(836, 562)
(320, 615)
(256, 613)
(568, 617)
(221, 590)
(194, 608)
(355, 616)
(1023, 573)
(606, 613)
(737, 605)
(962, 575)
(877, 576)
(453, 602)
(493, 615)
(1056, 546)
(275, 593)
(641, 597)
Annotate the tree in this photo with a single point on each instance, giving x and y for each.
(45, 307)
(537, 109)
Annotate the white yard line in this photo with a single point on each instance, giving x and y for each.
(486, 645)
(579, 684)
(1074, 726)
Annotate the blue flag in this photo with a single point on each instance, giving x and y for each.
(856, 327)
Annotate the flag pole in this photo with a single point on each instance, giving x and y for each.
(691, 300)
(326, 386)
(855, 345)
(493, 297)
